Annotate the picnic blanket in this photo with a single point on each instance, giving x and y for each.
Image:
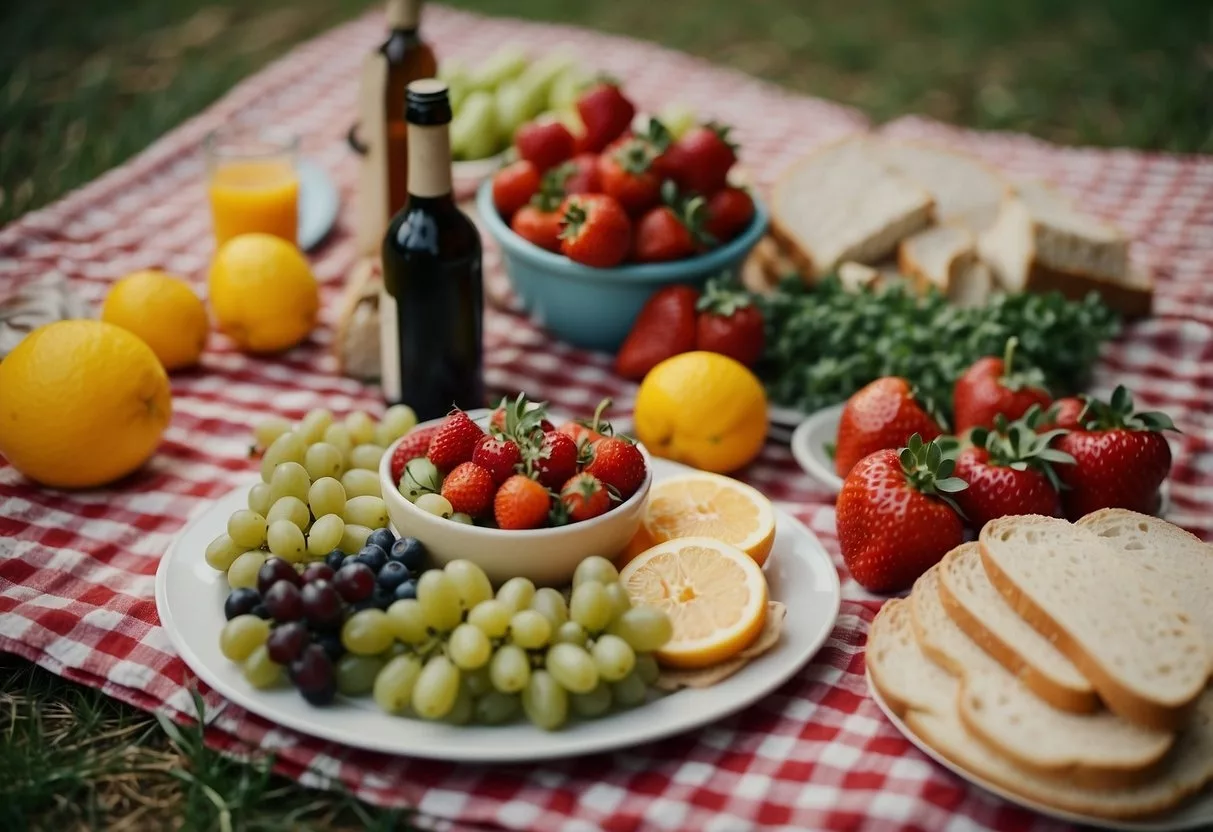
(77, 569)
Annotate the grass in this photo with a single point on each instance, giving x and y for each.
(81, 90)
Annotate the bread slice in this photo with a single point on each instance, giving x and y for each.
(906, 679)
(1098, 749)
(965, 190)
(945, 257)
(1161, 547)
(984, 615)
(842, 203)
(1119, 624)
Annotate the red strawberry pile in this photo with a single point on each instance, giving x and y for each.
(910, 491)
(523, 473)
(610, 195)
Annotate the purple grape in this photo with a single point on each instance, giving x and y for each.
(383, 538)
(287, 642)
(373, 556)
(240, 602)
(322, 605)
(331, 642)
(312, 673)
(406, 590)
(392, 575)
(410, 552)
(262, 612)
(354, 582)
(318, 572)
(334, 559)
(275, 570)
(284, 602)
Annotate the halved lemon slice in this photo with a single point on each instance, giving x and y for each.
(714, 594)
(700, 504)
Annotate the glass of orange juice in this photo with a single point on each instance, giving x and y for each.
(253, 185)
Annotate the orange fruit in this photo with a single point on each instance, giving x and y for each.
(84, 403)
(700, 504)
(162, 310)
(262, 293)
(641, 542)
(714, 594)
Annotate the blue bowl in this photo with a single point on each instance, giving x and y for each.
(595, 308)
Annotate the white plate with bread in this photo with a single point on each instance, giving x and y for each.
(1064, 667)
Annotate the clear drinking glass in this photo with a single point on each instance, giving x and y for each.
(253, 184)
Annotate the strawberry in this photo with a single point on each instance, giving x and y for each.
(606, 114)
(578, 175)
(554, 459)
(587, 432)
(700, 160)
(1010, 471)
(729, 210)
(884, 414)
(626, 173)
(664, 328)
(521, 503)
(584, 497)
(617, 463)
(513, 187)
(1120, 458)
(895, 515)
(991, 387)
(519, 418)
(1063, 413)
(454, 442)
(730, 324)
(413, 445)
(544, 144)
(498, 456)
(597, 231)
(468, 488)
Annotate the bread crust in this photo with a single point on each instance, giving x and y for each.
(895, 702)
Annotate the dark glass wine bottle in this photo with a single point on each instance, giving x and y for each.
(432, 308)
(408, 58)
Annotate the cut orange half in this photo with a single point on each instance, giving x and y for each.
(700, 504)
(714, 594)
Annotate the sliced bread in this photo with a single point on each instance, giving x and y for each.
(842, 203)
(985, 617)
(1098, 749)
(1118, 623)
(906, 679)
(966, 191)
(945, 257)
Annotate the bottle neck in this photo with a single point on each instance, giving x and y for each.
(403, 15)
(429, 154)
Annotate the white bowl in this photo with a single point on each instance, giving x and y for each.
(545, 556)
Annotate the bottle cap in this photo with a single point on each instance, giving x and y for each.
(427, 102)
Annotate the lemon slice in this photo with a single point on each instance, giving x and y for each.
(700, 504)
(714, 594)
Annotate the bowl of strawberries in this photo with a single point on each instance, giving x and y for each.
(591, 223)
(514, 493)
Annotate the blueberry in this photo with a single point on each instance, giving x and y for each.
(334, 559)
(410, 552)
(331, 642)
(262, 611)
(241, 602)
(347, 560)
(373, 556)
(383, 538)
(392, 575)
(406, 590)
(364, 604)
(383, 598)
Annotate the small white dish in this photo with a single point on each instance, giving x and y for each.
(318, 204)
(809, 442)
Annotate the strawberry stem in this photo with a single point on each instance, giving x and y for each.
(1118, 413)
(929, 471)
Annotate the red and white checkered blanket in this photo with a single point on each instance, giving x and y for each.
(76, 569)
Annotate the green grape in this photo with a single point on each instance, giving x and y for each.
(314, 424)
(570, 632)
(595, 569)
(259, 498)
(497, 708)
(243, 571)
(260, 671)
(491, 616)
(324, 460)
(338, 435)
(528, 629)
(550, 604)
(266, 430)
(470, 582)
(617, 594)
(407, 621)
(478, 681)
(435, 504)
(545, 702)
(469, 647)
(464, 709)
(366, 511)
(393, 688)
(367, 632)
(420, 477)
(509, 669)
(516, 594)
(366, 456)
(645, 628)
(629, 691)
(463, 517)
(288, 447)
(222, 552)
(590, 606)
(291, 509)
(326, 496)
(242, 635)
(647, 668)
(325, 535)
(354, 537)
(436, 688)
(356, 674)
(361, 483)
(439, 600)
(290, 479)
(572, 667)
(595, 703)
(361, 427)
(613, 657)
(286, 541)
(397, 421)
(246, 528)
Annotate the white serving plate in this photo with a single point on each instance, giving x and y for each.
(808, 446)
(189, 599)
(1196, 814)
(318, 204)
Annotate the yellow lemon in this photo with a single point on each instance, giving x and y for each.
(704, 409)
(82, 403)
(700, 504)
(714, 594)
(262, 293)
(162, 310)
